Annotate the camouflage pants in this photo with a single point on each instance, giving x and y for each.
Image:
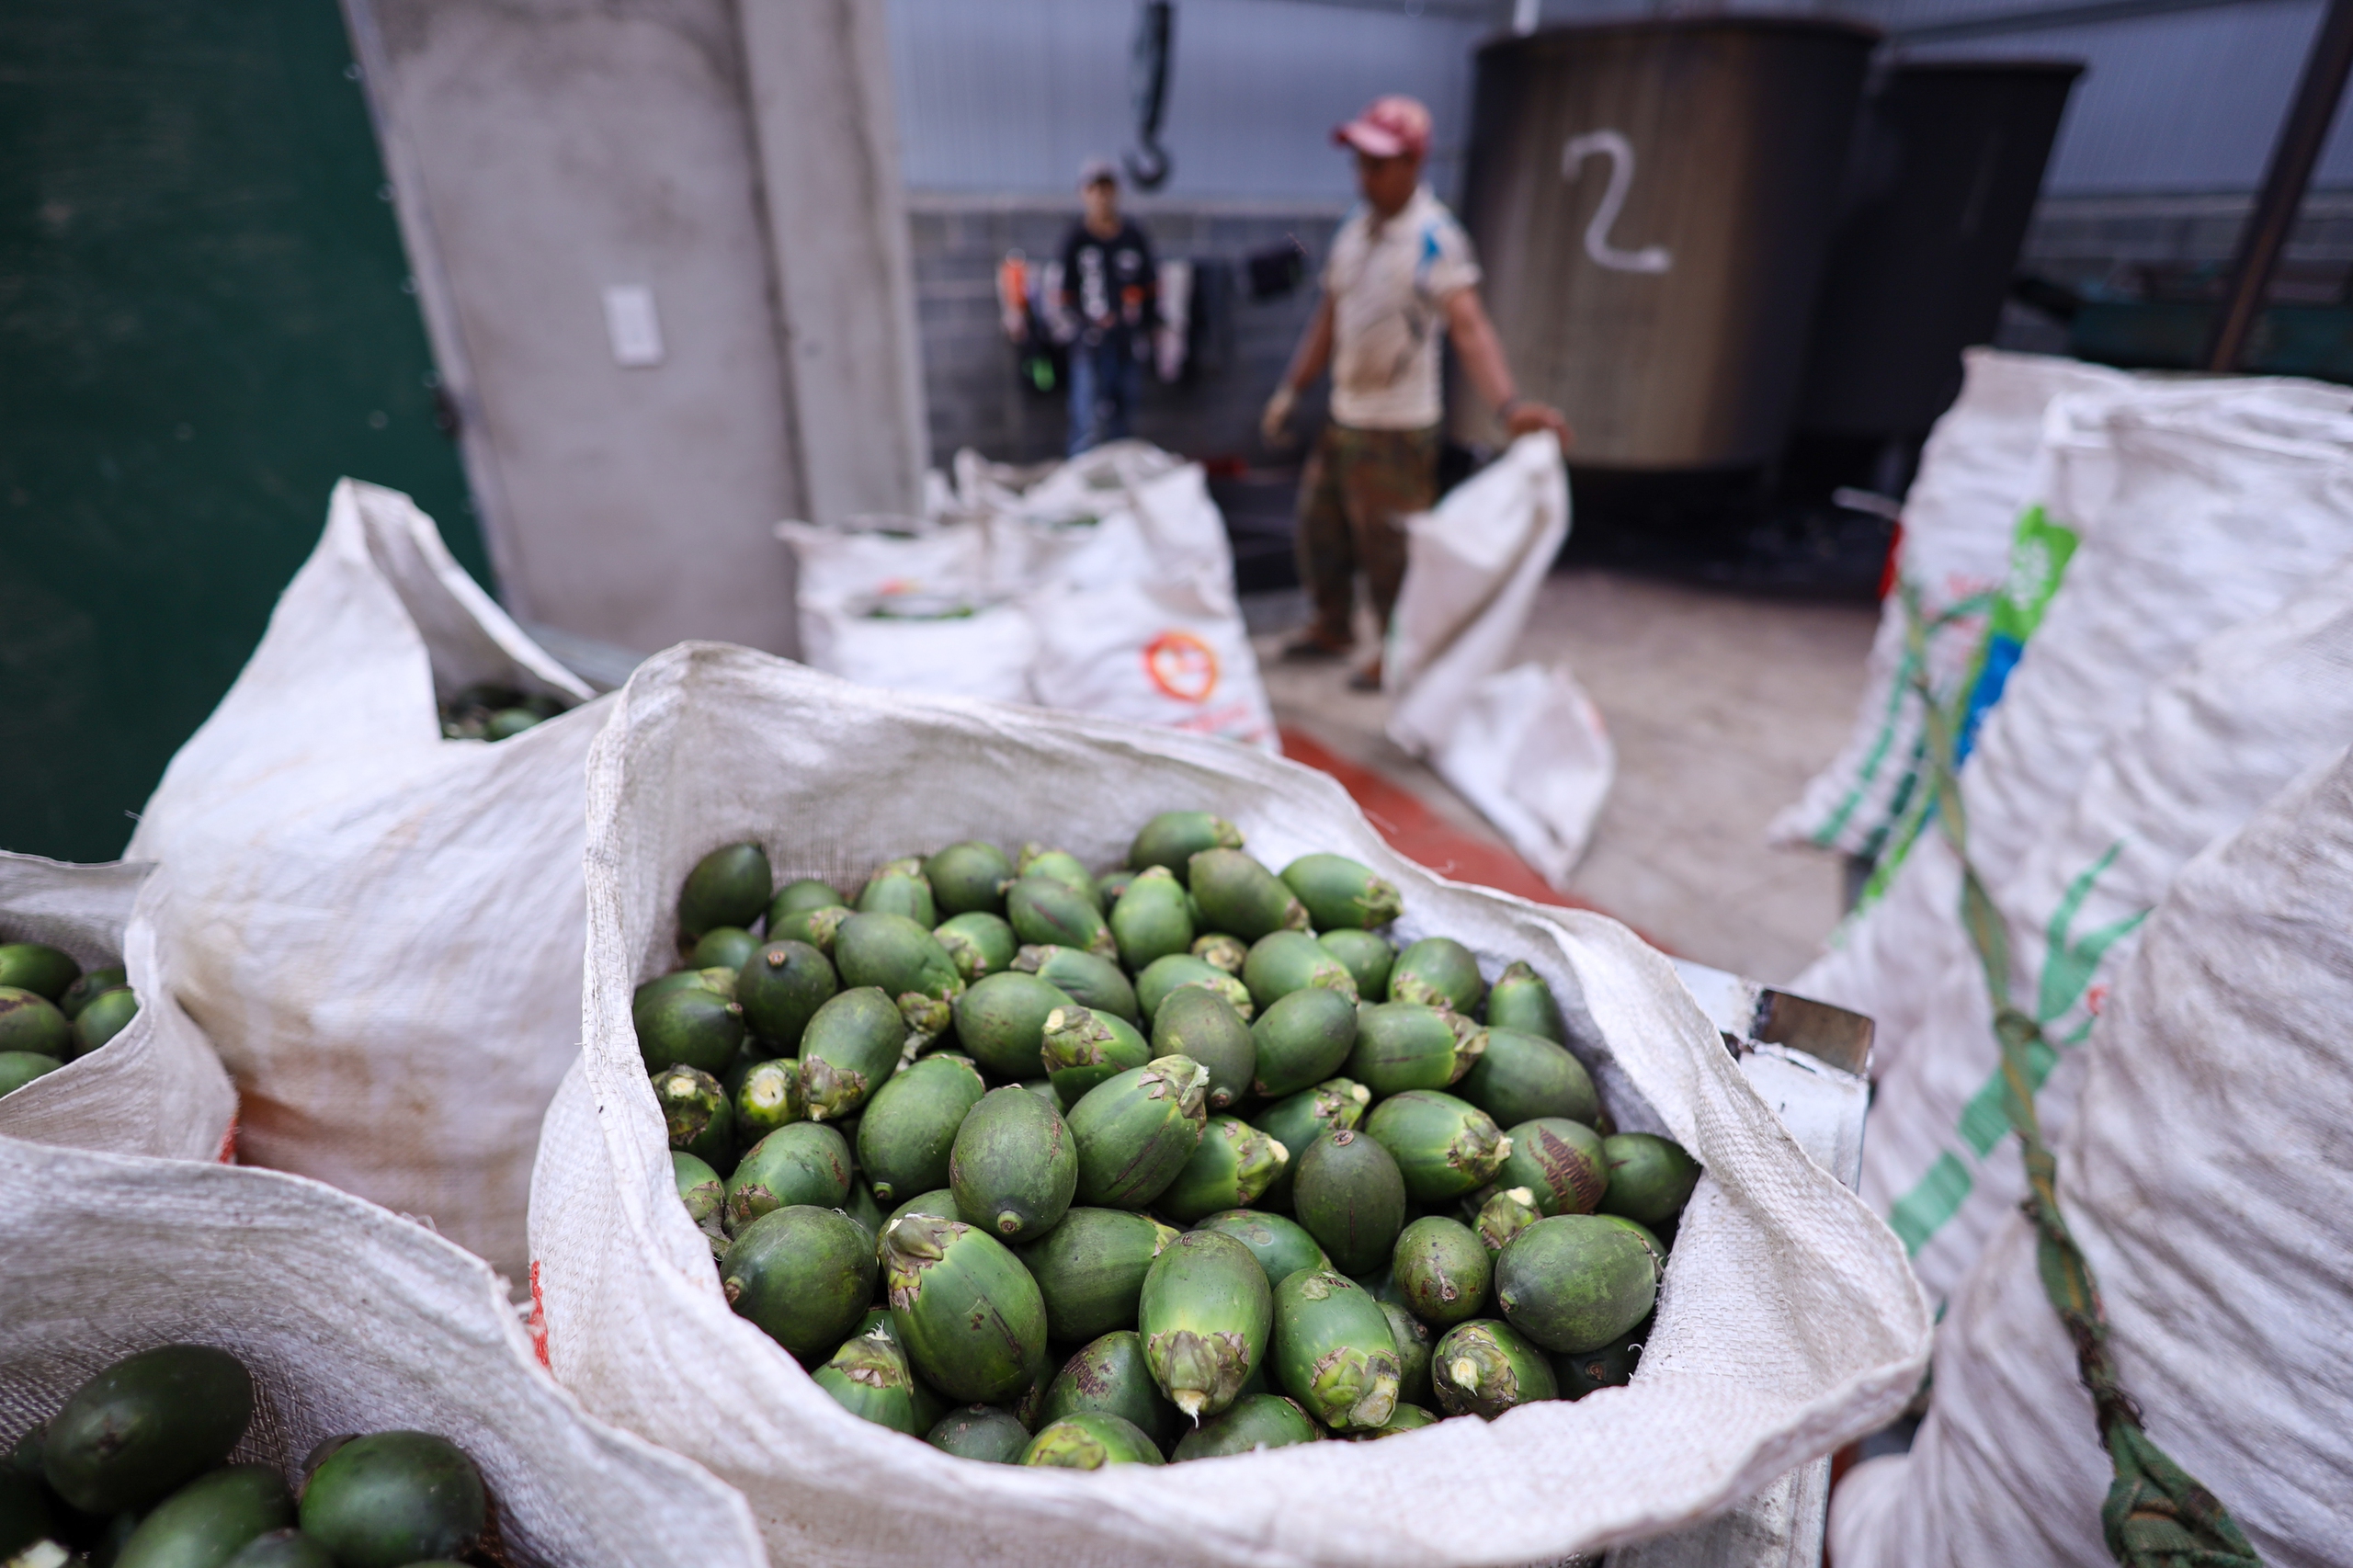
(1358, 488)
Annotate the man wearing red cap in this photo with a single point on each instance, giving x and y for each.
(1400, 276)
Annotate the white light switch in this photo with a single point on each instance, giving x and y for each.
(629, 322)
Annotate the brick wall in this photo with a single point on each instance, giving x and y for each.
(968, 365)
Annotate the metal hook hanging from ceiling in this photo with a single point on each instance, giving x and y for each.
(1149, 163)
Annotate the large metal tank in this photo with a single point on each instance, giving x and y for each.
(1949, 159)
(1651, 202)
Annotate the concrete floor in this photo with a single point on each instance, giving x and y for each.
(1720, 708)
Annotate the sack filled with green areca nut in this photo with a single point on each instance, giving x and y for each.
(1197, 1184)
(84, 1061)
(287, 1375)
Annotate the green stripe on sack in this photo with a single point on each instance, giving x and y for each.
(1897, 691)
(1986, 1119)
(1904, 688)
(2157, 1514)
(1935, 1198)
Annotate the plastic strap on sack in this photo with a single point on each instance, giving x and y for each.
(2157, 1515)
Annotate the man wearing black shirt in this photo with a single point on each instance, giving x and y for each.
(1108, 303)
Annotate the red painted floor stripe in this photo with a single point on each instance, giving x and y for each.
(1422, 835)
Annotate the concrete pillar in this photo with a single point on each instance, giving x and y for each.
(826, 128)
(663, 255)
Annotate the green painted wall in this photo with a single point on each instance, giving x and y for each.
(205, 320)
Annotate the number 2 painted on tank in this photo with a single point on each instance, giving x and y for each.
(1620, 153)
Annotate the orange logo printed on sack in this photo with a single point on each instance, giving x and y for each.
(1181, 666)
(538, 1328)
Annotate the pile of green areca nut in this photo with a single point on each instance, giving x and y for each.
(1182, 1160)
(132, 1472)
(50, 1011)
(486, 712)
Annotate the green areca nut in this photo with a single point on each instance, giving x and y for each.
(1091, 1268)
(1150, 920)
(1205, 1315)
(1559, 1161)
(1368, 955)
(900, 888)
(1165, 976)
(1297, 1121)
(1301, 1041)
(1438, 971)
(1574, 1282)
(1229, 1170)
(1081, 1048)
(1444, 1147)
(1282, 1246)
(1172, 838)
(1013, 1166)
(1520, 1077)
(780, 987)
(1651, 1177)
(1283, 961)
(899, 957)
(969, 878)
(1047, 913)
(1002, 1022)
(1341, 894)
(1351, 1197)
(805, 1162)
(1442, 1269)
(1521, 1001)
(968, 1313)
(801, 898)
(730, 886)
(910, 1124)
(852, 1044)
(1108, 1376)
(1197, 1022)
(1059, 865)
(1481, 1367)
(1252, 1422)
(1135, 1133)
(1089, 981)
(977, 942)
(1240, 897)
(1333, 1350)
(1407, 1045)
(1090, 1441)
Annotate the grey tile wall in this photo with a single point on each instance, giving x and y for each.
(2070, 234)
(970, 383)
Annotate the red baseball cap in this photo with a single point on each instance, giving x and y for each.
(1387, 128)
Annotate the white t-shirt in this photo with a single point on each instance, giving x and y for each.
(1389, 280)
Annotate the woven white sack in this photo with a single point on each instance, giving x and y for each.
(2255, 706)
(1525, 745)
(378, 928)
(1102, 585)
(1974, 480)
(1531, 751)
(1787, 1322)
(156, 1087)
(351, 1320)
(1886, 958)
(2204, 1178)
(1172, 653)
(981, 650)
(840, 566)
(2203, 506)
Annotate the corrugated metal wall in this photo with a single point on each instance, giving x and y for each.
(1009, 96)
(2187, 100)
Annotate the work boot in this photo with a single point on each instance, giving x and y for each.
(1316, 644)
